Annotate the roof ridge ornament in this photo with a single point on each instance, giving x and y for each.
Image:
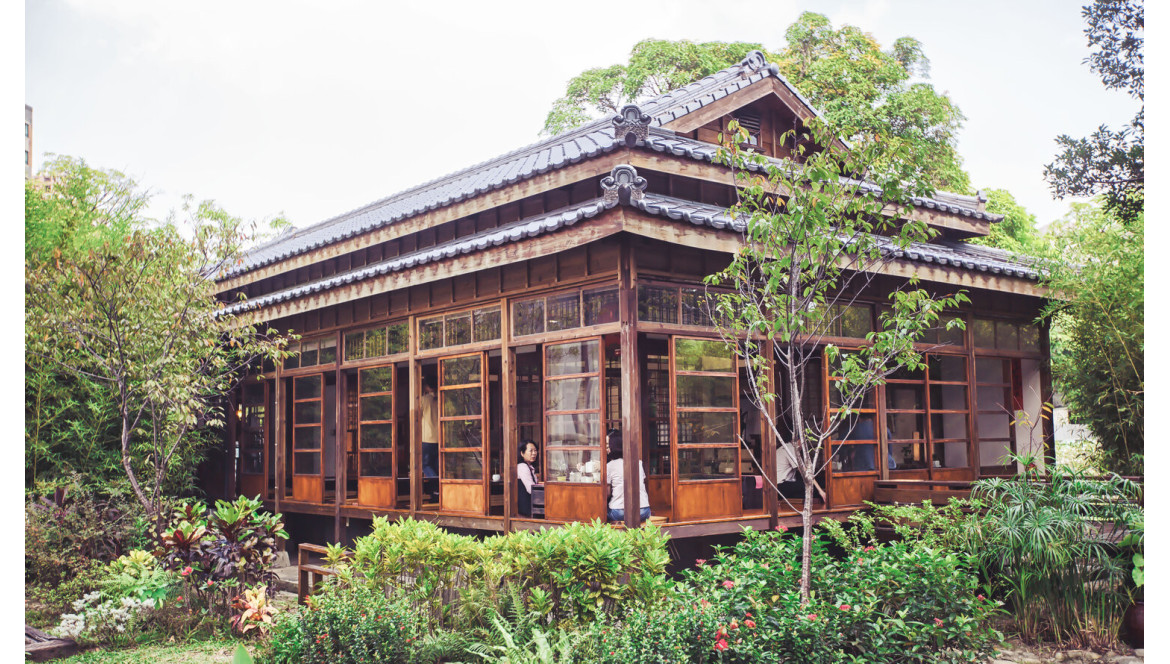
(756, 60)
(631, 125)
(623, 185)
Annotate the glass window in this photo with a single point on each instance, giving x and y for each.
(564, 312)
(458, 329)
(572, 358)
(983, 331)
(463, 466)
(461, 370)
(851, 320)
(947, 368)
(528, 317)
(376, 342)
(398, 338)
(355, 348)
(577, 466)
(854, 458)
(601, 306)
(718, 463)
(573, 394)
(307, 463)
(706, 428)
(657, 304)
(703, 355)
(377, 464)
(486, 324)
(430, 333)
(574, 430)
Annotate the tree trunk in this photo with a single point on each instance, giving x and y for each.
(129, 468)
(806, 542)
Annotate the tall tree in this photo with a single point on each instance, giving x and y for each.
(1098, 263)
(815, 237)
(138, 316)
(844, 72)
(1110, 162)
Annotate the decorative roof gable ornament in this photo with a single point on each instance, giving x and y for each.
(755, 61)
(631, 125)
(623, 184)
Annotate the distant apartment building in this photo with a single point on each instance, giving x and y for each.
(27, 141)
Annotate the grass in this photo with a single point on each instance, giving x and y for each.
(215, 651)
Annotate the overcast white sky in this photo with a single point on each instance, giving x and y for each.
(311, 109)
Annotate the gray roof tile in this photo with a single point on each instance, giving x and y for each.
(554, 152)
(957, 254)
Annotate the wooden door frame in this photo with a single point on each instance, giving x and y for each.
(675, 482)
(601, 415)
(484, 420)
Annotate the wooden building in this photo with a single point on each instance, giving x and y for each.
(546, 295)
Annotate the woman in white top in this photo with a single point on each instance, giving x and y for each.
(615, 473)
(526, 477)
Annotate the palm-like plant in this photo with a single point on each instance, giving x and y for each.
(1049, 545)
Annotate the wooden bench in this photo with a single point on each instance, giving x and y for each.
(309, 573)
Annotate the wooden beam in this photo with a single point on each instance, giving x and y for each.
(554, 179)
(583, 232)
(771, 496)
(415, 423)
(703, 237)
(278, 443)
(701, 170)
(630, 385)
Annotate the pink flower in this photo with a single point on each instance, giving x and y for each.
(704, 603)
(845, 607)
(186, 571)
(699, 562)
(812, 616)
(781, 529)
(748, 614)
(938, 623)
(749, 623)
(721, 645)
(210, 583)
(979, 597)
(729, 584)
(868, 548)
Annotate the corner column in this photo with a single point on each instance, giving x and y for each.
(631, 384)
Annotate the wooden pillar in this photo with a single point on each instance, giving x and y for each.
(415, 424)
(972, 400)
(233, 463)
(1046, 396)
(631, 384)
(340, 456)
(508, 423)
(768, 438)
(278, 442)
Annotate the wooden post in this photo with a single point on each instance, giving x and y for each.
(631, 385)
(415, 424)
(340, 456)
(768, 438)
(278, 442)
(508, 422)
(231, 480)
(972, 399)
(1049, 426)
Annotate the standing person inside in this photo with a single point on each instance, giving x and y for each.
(615, 473)
(430, 438)
(787, 482)
(527, 476)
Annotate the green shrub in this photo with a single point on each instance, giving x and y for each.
(889, 603)
(1051, 546)
(347, 625)
(568, 574)
(70, 533)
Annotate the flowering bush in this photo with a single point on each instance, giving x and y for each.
(880, 604)
(352, 625)
(108, 621)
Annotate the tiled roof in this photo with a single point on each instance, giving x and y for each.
(957, 254)
(551, 153)
(512, 232)
(943, 252)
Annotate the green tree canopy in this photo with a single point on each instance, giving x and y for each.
(1109, 162)
(127, 308)
(1098, 268)
(844, 72)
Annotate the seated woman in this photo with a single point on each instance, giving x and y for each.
(615, 472)
(526, 477)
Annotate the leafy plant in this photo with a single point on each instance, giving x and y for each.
(348, 625)
(1050, 545)
(256, 612)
